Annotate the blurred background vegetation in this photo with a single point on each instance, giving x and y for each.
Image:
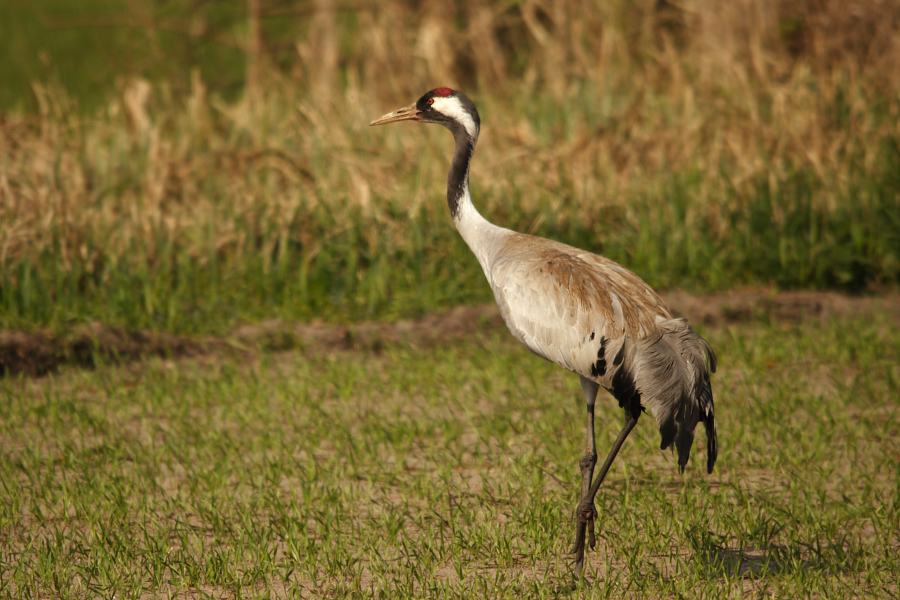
(187, 165)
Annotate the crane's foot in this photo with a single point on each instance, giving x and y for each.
(585, 515)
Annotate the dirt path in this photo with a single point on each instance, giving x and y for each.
(38, 353)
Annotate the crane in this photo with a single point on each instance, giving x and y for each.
(583, 312)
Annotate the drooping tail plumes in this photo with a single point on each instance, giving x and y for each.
(670, 370)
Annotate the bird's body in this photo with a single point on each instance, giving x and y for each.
(597, 319)
(583, 312)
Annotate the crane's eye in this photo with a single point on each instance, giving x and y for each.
(431, 101)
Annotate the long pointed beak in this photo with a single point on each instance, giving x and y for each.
(401, 114)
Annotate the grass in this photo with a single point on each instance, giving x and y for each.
(703, 148)
(450, 473)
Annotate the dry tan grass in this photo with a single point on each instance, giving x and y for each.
(629, 94)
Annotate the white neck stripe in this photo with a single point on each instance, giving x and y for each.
(452, 107)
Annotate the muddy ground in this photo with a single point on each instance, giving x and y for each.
(41, 352)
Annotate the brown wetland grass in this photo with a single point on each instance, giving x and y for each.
(704, 145)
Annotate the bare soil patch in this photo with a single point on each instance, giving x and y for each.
(40, 352)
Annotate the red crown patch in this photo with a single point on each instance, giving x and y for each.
(442, 92)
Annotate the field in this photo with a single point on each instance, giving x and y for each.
(450, 471)
(244, 354)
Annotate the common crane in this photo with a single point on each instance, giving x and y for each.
(583, 312)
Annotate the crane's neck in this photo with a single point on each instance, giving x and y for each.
(479, 234)
(458, 196)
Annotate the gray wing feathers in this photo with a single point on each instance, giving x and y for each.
(671, 369)
(554, 297)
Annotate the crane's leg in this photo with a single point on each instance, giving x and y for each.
(586, 511)
(589, 460)
(586, 466)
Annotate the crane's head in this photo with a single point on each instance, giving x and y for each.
(443, 106)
